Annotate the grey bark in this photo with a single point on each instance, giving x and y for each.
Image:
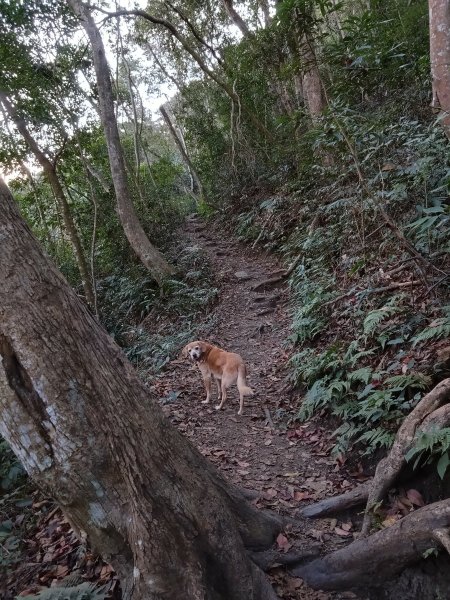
(236, 18)
(264, 4)
(179, 141)
(336, 504)
(150, 257)
(312, 82)
(439, 17)
(85, 428)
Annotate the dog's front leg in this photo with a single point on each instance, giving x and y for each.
(207, 382)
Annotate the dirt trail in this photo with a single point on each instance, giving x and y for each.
(286, 469)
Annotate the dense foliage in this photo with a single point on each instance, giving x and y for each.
(354, 180)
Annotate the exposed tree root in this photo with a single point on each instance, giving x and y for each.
(372, 560)
(272, 282)
(269, 558)
(431, 413)
(261, 587)
(336, 504)
(428, 414)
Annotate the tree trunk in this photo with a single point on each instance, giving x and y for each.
(150, 257)
(264, 4)
(236, 18)
(50, 172)
(81, 421)
(439, 12)
(312, 83)
(179, 141)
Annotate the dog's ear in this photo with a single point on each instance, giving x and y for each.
(205, 347)
(185, 351)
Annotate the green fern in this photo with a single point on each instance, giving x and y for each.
(416, 380)
(440, 328)
(432, 444)
(376, 317)
(84, 591)
(376, 438)
(362, 375)
(316, 397)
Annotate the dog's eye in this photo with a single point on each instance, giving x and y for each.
(197, 348)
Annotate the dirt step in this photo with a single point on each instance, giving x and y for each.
(267, 285)
(262, 300)
(266, 311)
(243, 275)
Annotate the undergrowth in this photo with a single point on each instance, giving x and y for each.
(13, 500)
(150, 324)
(361, 345)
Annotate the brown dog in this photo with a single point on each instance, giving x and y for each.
(226, 368)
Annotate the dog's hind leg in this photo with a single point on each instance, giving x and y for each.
(219, 388)
(223, 393)
(241, 403)
(243, 388)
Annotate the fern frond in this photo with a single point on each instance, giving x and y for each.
(362, 375)
(419, 381)
(438, 329)
(376, 317)
(84, 591)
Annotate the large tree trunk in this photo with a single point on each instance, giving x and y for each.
(439, 11)
(50, 172)
(150, 256)
(82, 423)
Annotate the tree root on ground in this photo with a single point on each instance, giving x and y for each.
(430, 413)
(372, 560)
(336, 504)
(270, 558)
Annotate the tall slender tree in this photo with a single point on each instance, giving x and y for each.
(49, 168)
(150, 256)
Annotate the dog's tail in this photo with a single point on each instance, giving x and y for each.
(242, 382)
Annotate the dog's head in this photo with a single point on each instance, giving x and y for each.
(196, 351)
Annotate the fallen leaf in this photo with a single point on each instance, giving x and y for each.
(267, 442)
(270, 493)
(390, 520)
(61, 571)
(341, 532)
(415, 497)
(299, 496)
(293, 584)
(283, 542)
